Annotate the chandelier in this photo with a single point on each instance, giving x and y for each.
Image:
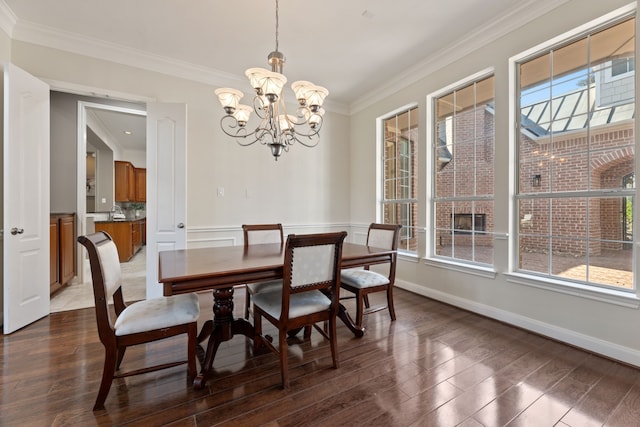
(276, 129)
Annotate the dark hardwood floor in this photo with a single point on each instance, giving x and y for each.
(435, 366)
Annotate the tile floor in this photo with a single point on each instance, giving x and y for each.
(80, 295)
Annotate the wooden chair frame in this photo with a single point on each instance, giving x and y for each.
(362, 294)
(114, 345)
(247, 229)
(285, 323)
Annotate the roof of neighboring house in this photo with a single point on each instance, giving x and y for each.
(572, 111)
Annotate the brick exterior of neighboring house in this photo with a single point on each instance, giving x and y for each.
(470, 163)
(568, 160)
(565, 159)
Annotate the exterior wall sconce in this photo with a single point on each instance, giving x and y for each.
(536, 180)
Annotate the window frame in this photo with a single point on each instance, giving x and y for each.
(406, 233)
(473, 267)
(513, 274)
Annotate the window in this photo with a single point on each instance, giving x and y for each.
(622, 66)
(399, 204)
(576, 161)
(463, 156)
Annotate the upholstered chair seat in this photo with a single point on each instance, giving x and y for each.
(157, 313)
(362, 282)
(363, 278)
(299, 304)
(258, 287)
(141, 322)
(307, 294)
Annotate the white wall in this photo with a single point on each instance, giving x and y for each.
(306, 187)
(600, 326)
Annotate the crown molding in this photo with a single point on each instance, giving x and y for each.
(94, 48)
(526, 12)
(8, 19)
(66, 41)
(71, 42)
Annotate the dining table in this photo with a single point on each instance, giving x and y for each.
(221, 268)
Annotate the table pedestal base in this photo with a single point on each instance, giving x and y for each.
(343, 315)
(222, 328)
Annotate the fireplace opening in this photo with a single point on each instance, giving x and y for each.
(465, 223)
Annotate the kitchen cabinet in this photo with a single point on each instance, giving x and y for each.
(140, 184)
(62, 249)
(130, 182)
(127, 235)
(124, 177)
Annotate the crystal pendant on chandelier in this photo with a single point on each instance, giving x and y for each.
(277, 129)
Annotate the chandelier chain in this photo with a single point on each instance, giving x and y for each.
(277, 26)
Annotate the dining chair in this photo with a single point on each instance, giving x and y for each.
(362, 282)
(255, 234)
(309, 294)
(138, 323)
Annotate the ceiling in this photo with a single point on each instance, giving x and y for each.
(361, 50)
(128, 130)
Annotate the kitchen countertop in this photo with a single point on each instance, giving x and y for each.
(119, 220)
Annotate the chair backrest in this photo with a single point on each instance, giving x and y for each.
(107, 280)
(255, 234)
(383, 236)
(312, 261)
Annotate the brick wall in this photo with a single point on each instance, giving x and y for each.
(564, 163)
(577, 163)
(469, 173)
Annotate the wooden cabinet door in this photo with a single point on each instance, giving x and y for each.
(141, 184)
(124, 178)
(136, 236)
(67, 248)
(53, 251)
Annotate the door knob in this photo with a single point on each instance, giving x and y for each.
(181, 225)
(16, 230)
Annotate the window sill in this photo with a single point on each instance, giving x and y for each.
(476, 270)
(408, 256)
(611, 296)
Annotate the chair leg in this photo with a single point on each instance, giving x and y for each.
(121, 351)
(192, 342)
(110, 360)
(257, 326)
(284, 368)
(247, 302)
(359, 309)
(365, 297)
(333, 341)
(307, 332)
(392, 310)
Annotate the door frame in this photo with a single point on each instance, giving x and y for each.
(81, 202)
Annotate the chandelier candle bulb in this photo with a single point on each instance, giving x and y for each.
(277, 129)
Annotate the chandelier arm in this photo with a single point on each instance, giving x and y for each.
(229, 123)
(312, 133)
(276, 129)
(314, 142)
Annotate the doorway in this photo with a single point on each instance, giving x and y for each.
(105, 133)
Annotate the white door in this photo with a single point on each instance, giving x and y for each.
(26, 199)
(166, 185)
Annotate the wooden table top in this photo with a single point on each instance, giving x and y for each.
(205, 268)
